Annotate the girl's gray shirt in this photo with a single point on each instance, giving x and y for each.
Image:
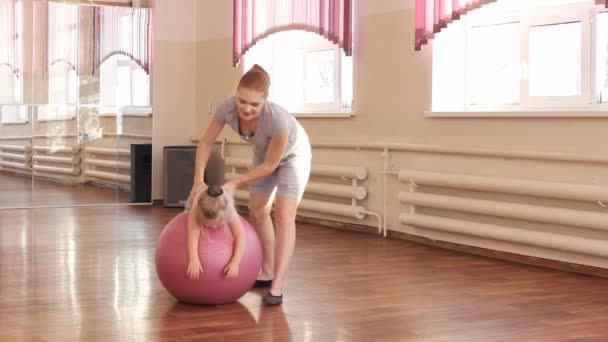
(274, 120)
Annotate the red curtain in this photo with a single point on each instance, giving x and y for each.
(434, 15)
(9, 35)
(256, 19)
(126, 31)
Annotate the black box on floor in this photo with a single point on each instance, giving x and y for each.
(179, 174)
(141, 173)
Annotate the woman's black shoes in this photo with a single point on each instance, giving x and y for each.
(262, 283)
(270, 299)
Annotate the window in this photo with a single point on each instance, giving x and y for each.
(63, 84)
(63, 81)
(308, 73)
(494, 55)
(523, 55)
(123, 83)
(11, 81)
(13, 114)
(63, 94)
(124, 87)
(10, 85)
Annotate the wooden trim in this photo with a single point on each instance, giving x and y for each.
(494, 254)
(338, 225)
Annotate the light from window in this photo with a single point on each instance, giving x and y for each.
(13, 114)
(8, 81)
(346, 81)
(601, 59)
(307, 72)
(448, 71)
(140, 92)
(555, 60)
(123, 83)
(285, 75)
(123, 87)
(320, 76)
(494, 65)
(11, 85)
(63, 84)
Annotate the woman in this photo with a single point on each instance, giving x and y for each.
(280, 171)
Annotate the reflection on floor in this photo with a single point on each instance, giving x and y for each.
(18, 190)
(88, 274)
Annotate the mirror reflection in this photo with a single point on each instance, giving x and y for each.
(75, 104)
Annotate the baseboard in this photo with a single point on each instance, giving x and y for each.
(338, 225)
(494, 254)
(489, 253)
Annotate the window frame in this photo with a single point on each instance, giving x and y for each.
(597, 9)
(584, 106)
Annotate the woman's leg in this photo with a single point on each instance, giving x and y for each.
(285, 222)
(259, 214)
(292, 179)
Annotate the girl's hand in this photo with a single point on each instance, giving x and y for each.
(232, 270)
(194, 268)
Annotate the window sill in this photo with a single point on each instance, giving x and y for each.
(126, 114)
(519, 114)
(336, 114)
(126, 111)
(16, 122)
(56, 119)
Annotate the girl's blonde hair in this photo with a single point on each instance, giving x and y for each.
(257, 79)
(212, 203)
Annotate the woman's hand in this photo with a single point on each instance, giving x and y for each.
(232, 270)
(194, 268)
(195, 189)
(229, 187)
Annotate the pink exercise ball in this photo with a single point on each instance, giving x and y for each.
(215, 250)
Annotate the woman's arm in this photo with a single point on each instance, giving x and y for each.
(232, 269)
(276, 146)
(194, 264)
(203, 150)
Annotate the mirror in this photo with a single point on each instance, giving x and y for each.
(75, 105)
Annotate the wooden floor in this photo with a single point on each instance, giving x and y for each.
(18, 191)
(88, 274)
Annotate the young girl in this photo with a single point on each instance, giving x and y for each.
(211, 209)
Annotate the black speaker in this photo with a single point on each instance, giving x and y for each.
(141, 173)
(179, 174)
